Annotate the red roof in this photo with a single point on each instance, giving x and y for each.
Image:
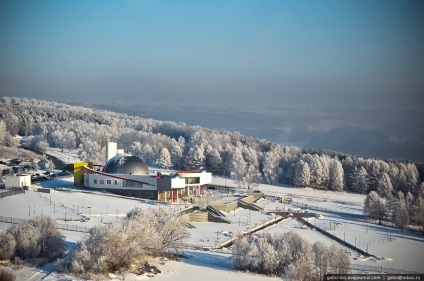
(91, 171)
(187, 171)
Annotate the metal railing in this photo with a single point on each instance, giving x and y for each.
(58, 226)
(11, 192)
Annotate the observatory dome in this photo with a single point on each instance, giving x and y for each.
(126, 164)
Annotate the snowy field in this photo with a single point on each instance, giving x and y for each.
(400, 250)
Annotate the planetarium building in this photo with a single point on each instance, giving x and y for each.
(128, 175)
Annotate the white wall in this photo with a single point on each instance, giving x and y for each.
(17, 181)
(89, 182)
(111, 150)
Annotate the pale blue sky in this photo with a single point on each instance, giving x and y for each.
(347, 52)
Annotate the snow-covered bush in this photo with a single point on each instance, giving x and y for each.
(38, 238)
(7, 246)
(6, 275)
(143, 234)
(269, 254)
(288, 255)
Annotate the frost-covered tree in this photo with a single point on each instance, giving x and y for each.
(336, 175)
(195, 157)
(317, 171)
(301, 270)
(212, 160)
(252, 174)
(7, 246)
(375, 207)
(92, 151)
(420, 212)
(278, 254)
(321, 258)
(271, 167)
(2, 132)
(177, 157)
(401, 215)
(359, 180)
(384, 186)
(409, 201)
(144, 233)
(164, 158)
(339, 260)
(302, 174)
(38, 238)
(238, 166)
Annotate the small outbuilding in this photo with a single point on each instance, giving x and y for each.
(18, 181)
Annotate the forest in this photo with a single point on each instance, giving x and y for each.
(168, 144)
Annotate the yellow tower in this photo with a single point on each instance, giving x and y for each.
(79, 171)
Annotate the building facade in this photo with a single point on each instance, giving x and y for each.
(18, 181)
(128, 175)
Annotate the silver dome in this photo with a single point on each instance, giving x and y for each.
(126, 164)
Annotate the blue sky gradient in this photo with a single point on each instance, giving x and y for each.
(350, 53)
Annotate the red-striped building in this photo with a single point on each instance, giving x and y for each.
(128, 175)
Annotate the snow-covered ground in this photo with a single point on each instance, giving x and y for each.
(67, 155)
(401, 250)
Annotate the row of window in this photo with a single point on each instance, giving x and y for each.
(132, 184)
(126, 183)
(107, 181)
(139, 194)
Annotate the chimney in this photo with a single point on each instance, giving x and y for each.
(111, 150)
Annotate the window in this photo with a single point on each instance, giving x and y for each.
(193, 180)
(108, 182)
(95, 181)
(150, 195)
(102, 181)
(132, 184)
(116, 182)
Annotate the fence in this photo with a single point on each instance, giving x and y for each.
(337, 239)
(382, 269)
(11, 192)
(58, 226)
(358, 217)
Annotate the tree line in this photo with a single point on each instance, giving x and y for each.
(288, 255)
(174, 145)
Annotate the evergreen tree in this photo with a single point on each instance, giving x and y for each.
(375, 207)
(359, 180)
(336, 179)
(302, 174)
(384, 186)
(401, 216)
(165, 158)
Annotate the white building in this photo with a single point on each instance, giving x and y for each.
(19, 181)
(128, 175)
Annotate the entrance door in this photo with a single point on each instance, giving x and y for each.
(174, 195)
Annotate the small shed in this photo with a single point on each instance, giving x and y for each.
(18, 181)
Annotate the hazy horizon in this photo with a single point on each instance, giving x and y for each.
(332, 74)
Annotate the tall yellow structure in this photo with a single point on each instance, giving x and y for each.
(79, 171)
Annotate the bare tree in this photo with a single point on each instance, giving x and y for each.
(339, 260)
(321, 256)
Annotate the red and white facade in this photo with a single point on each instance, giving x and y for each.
(163, 188)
